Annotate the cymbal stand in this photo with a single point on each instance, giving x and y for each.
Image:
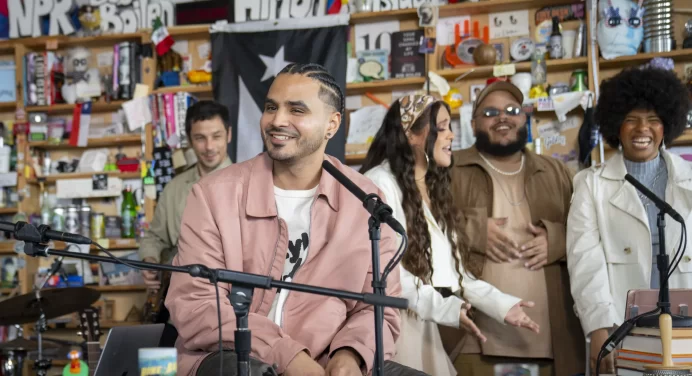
(43, 365)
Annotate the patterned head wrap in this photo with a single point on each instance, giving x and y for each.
(411, 107)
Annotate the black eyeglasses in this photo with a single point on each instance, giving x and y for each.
(509, 110)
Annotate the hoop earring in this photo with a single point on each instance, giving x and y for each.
(427, 161)
(663, 145)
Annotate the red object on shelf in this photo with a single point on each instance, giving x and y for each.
(128, 164)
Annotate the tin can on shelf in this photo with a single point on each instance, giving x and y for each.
(85, 220)
(98, 226)
(58, 222)
(72, 219)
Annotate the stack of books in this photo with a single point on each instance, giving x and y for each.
(643, 347)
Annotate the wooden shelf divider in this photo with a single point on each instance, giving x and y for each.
(109, 141)
(64, 108)
(86, 175)
(204, 88)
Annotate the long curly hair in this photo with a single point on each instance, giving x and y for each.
(391, 144)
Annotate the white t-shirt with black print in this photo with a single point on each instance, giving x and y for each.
(294, 208)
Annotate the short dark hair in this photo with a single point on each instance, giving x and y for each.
(330, 92)
(648, 88)
(205, 110)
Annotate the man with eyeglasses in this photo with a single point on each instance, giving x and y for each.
(515, 205)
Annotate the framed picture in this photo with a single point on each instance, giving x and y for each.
(475, 90)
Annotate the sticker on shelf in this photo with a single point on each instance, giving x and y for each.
(545, 104)
(504, 70)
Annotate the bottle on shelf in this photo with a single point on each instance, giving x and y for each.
(128, 213)
(556, 40)
(46, 210)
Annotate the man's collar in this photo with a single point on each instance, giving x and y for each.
(196, 175)
(471, 156)
(260, 195)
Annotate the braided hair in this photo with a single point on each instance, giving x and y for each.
(330, 91)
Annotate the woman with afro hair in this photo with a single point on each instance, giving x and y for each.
(612, 238)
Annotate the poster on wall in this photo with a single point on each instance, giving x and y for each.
(246, 58)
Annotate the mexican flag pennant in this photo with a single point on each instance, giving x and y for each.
(160, 37)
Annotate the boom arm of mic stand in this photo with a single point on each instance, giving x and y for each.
(241, 292)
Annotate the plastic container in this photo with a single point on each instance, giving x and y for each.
(5, 154)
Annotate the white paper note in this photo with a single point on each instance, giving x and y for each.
(137, 112)
(353, 102)
(181, 47)
(508, 24)
(364, 123)
(375, 36)
(445, 29)
(105, 59)
(203, 50)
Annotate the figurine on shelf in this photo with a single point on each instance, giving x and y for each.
(618, 34)
(85, 82)
(76, 367)
(89, 18)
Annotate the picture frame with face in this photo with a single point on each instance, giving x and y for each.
(475, 90)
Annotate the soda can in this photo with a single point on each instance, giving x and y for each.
(58, 222)
(85, 220)
(98, 226)
(72, 219)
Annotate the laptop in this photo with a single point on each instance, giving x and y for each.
(120, 355)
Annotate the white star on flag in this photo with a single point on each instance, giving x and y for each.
(274, 64)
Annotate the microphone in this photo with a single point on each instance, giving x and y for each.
(42, 234)
(372, 203)
(662, 205)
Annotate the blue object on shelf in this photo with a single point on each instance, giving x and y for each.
(170, 79)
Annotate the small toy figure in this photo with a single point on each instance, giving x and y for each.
(76, 367)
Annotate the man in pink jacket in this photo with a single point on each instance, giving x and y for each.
(278, 214)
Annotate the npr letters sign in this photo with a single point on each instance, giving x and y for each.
(263, 10)
(25, 16)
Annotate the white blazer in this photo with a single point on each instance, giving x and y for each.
(609, 241)
(424, 299)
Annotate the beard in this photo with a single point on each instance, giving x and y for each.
(484, 144)
(304, 146)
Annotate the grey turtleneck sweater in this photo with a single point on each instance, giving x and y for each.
(654, 175)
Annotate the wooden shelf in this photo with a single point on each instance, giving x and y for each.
(382, 85)
(467, 8)
(6, 290)
(187, 88)
(8, 106)
(110, 141)
(355, 159)
(8, 211)
(124, 288)
(109, 244)
(624, 61)
(86, 175)
(486, 71)
(65, 41)
(102, 325)
(186, 31)
(7, 247)
(100, 106)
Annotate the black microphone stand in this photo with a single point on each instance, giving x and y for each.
(379, 286)
(663, 303)
(242, 286)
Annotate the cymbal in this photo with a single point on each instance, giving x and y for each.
(24, 309)
(23, 344)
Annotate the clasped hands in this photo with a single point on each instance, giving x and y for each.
(345, 362)
(501, 248)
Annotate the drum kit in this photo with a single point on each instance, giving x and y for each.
(37, 307)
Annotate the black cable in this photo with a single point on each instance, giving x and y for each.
(213, 280)
(678, 255)
(398, 256)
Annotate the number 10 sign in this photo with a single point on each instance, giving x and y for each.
(375, 36)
